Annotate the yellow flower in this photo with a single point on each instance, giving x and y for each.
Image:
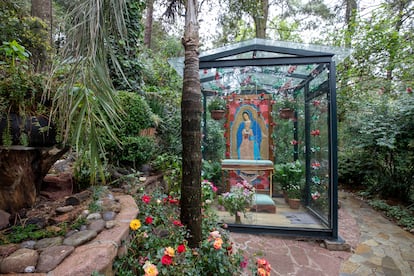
(135, 224)
(169, 251)
(150, 269)
(218, 242)
(262, 272)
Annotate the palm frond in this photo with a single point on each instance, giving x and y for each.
(86, 104)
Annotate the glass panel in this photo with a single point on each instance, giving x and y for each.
(261, 137)
(319, 190)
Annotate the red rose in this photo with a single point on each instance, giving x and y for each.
(173, 201)
(148, 220)
(181, 248)
(146, 198)
(177, 223)
(166, 260)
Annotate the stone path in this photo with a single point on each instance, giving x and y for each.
(378, 247)
(383, 248)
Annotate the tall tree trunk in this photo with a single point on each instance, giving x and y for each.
(148, 23)
(350, 15)
(398, 8)
(43, 10)
(191, 129)
(260, 18)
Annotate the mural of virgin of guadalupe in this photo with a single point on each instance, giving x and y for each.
(249, 138)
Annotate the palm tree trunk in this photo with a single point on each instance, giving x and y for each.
(191, 129)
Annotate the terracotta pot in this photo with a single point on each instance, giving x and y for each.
(285, 196)
(294, 203)
(287, 113)
(150, 132)
(217, 114)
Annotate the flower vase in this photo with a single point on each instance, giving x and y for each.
(238, 219)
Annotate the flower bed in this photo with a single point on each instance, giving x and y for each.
(159, 247)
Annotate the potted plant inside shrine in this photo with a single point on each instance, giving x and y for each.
(288, 174)
(217, 107)
(238, 200)
(294, 194)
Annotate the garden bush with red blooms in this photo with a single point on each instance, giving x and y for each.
(158, 243)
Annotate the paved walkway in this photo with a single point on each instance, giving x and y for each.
(378, 247)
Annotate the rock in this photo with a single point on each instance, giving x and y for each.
(4, 219)
(110, 224)
(57, 186)
(72, 200)
(39, 222)
(48, 242)
(337, 245)
(85, 213)
(94, 216)
(108, 204)
(29, 269)
(80, 237)
(109, 215)
(51, 257)
(7, 249)
(28, 244)
(97, 225)
(64, 209)
(71, 232)
(19, 260)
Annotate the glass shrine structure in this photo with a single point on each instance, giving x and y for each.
(280, 129)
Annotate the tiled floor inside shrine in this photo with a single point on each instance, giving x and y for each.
(284, 217)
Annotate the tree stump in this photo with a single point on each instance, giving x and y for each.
(21, 174)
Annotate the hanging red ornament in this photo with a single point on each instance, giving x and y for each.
(315, 132)
(205, 71)
(316, 103)
(409, 90)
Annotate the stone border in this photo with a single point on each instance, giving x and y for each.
(98, 254)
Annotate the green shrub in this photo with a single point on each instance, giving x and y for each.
(136, 150)
(171, 167)
(214, 143)
(381, 156)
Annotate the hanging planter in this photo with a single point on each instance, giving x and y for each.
(217, 114)
(287, 113)
(217, 107)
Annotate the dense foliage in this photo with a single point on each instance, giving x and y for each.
(136, 149)
(383, 154)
